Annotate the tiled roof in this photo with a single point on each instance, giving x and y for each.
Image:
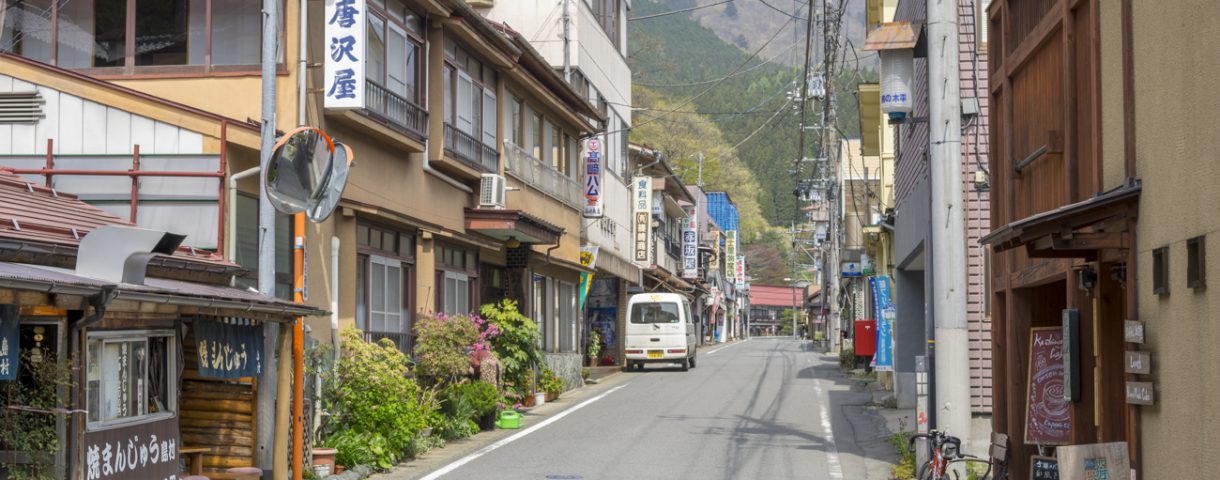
(776, 296)
(36, 214)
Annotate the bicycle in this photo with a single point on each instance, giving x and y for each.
(946, 450)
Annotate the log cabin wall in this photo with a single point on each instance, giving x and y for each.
(216, 414)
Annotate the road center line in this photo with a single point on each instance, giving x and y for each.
(488, 449)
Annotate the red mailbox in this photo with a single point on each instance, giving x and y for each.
(865, 340)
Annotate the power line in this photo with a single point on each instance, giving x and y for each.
(785, 12)
(646, 17)
(705, 91)
(705, 82)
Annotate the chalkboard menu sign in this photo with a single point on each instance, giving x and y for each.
(1047, 415)
(1043, 468)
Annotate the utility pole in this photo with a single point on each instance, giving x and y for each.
(567, 43)
(794, 280)
(952, 357)
(266, 242)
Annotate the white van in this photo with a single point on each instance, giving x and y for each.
(660, 329)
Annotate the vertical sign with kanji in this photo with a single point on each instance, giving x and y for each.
(344, 83)
(690, 244)
(592, 153)
(740, 277)
(9, 336)
(641, 211)
(730, 254)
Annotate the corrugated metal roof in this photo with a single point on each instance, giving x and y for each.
(32, 213)
(776, 296)
(42, 278)
(892, 36)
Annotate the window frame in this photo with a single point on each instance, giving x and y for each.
(1196, 262)
(1160, 271)
(447, 270)
(130, 69)
(452, 74)
(367, 255)
(171, 371)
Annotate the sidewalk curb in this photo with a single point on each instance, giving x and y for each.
(454, 450)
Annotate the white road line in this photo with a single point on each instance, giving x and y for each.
(726, 346)
(488, 449)
(832, 454)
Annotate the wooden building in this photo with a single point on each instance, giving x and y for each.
(163, 352)
(1064, 208)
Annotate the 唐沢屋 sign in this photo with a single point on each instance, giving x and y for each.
(730, 254)
(344, 68)
(229, 349)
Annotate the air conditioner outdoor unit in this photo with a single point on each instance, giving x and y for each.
(491, 191)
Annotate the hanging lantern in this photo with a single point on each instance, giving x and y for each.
(897, 69)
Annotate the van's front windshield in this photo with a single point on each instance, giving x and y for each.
(654, 312)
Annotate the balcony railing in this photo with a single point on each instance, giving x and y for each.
(470, 150)
(401, 340)
(535, 173)
(399, 112)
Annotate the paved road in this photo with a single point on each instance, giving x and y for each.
(760, 409)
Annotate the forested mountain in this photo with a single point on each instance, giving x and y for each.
(694, 93)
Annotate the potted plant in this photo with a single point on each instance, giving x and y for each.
(552, 384)
(594, 347)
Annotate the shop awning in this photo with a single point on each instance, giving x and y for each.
(504, 224)
(892, 36)
(1076, 230)
(38, 278)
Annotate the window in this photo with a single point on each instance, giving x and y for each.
(536, 129)
(394, 45)
(25, 30)
(654, 312)
(136, 33)
(246, 247)
(129, 376)
(557, 158)
(515, 111)
(383, 279)
(456, 279)
(608, 13)
(542, 310)
(566, 310)
(471, 105)
(1160, 271)
(1196, 263)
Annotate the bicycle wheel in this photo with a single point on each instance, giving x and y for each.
(925, 471)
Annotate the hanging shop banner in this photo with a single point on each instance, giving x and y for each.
(10, 316)
(139, 452)
(730, 254)
(641, 211)
(884, 307)
(1047, 414)
(588, 259)
(690, 244)
(344, 68)
(714, 264)
(591, 152)
(740, 277)
(229, 350)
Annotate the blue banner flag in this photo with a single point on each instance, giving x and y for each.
(884, 308)
(228, 349)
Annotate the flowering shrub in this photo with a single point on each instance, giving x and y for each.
(444, 342)
(487, 331)
(515, 345)
(376, 408)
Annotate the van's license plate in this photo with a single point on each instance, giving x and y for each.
(655, 353)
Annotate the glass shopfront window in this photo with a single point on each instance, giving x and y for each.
(129, 376)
